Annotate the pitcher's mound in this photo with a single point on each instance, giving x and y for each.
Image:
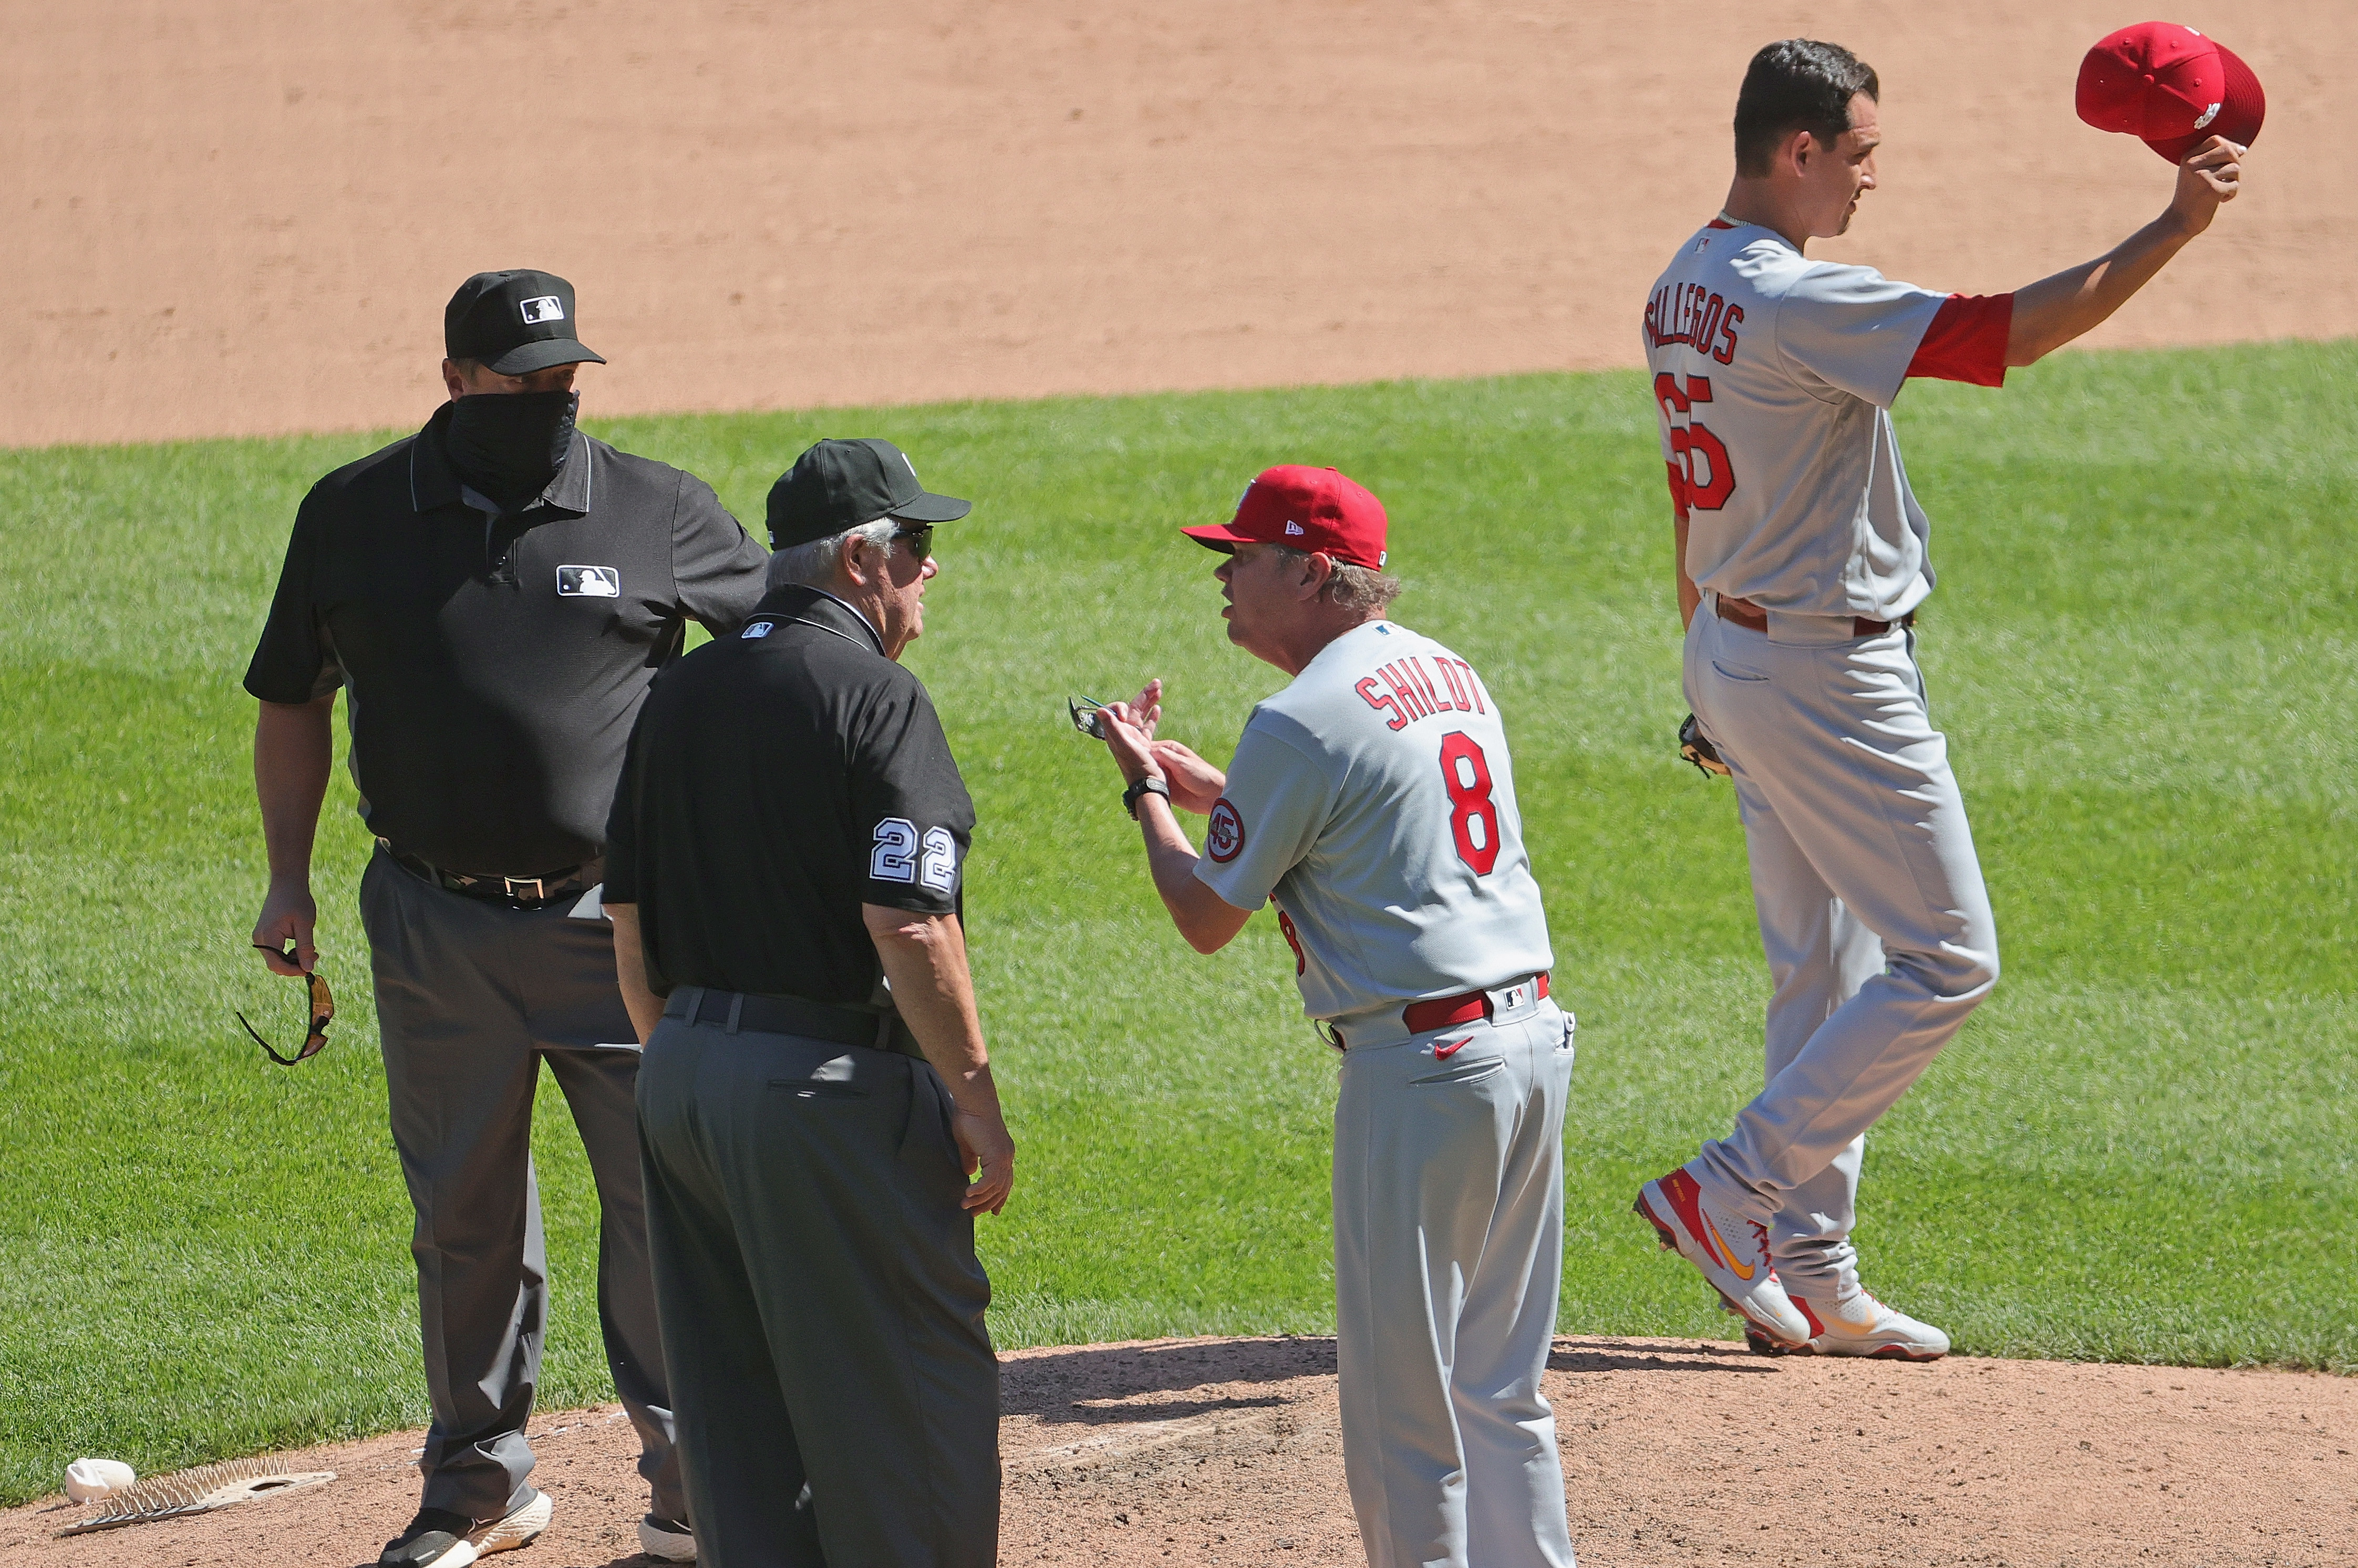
(1199, 1450)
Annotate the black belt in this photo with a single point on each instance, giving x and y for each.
(516, 892)
(736, 1011)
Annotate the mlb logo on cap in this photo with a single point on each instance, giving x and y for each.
(2170, 87)
(514, 323)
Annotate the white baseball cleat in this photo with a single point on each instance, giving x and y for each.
(1699, 1232)
(666, 1540)
(1858, 1325)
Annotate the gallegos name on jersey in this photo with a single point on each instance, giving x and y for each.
(1692, 314)
(1773, 378)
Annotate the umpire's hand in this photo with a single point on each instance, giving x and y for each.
(288, 917)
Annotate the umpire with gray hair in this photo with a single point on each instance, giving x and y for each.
(817, 1116)
(494, 594)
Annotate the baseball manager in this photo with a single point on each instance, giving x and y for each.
(1801, 565)
(494, 594)
(1373, 801)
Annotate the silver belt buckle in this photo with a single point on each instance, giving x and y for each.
(515, 886)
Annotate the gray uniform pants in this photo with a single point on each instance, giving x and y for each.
(1873, 915)
(1448, 1261)
(822, 1303)
(472, 997)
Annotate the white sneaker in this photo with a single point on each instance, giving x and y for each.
(1742, 1274)
(1858, 1325)
(666, 1540)
(439, 1538)
(521, 1526)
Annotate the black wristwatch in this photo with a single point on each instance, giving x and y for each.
(1144, 786)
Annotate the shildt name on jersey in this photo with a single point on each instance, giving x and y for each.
(1415, 695)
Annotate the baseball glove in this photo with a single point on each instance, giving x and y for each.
(1696, 747)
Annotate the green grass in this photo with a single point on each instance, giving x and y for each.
(2145, 648)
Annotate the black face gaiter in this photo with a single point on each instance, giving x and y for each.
(509, 445)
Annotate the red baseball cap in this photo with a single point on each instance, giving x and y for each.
(2170, 86)
(1308, 509)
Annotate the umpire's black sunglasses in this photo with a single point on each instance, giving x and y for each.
(323, 1012)
(920, 540)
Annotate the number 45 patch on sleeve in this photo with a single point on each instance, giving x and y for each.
(1223, 838)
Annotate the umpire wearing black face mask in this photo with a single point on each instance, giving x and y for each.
(496, 594)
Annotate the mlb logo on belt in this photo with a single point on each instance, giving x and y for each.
(587, 582)
(546, 308)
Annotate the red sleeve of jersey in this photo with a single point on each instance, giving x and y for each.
(1966, 341)
(1678, 491)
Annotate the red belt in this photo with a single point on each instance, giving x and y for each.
(1752, 617)
(1423, 1017)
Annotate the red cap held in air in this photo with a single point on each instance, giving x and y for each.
(1308, 509)
(2171, 87)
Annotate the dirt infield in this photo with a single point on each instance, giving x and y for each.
(1206, 1451)
(242, 216)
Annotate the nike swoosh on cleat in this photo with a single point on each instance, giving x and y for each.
(1734, 1264)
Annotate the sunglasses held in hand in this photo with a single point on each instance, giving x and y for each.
(1085, 711)
(323, 1012)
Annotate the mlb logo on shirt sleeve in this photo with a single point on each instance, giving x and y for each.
(588, 583)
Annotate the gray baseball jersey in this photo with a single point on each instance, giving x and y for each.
(1374, 799)
(1774, 377)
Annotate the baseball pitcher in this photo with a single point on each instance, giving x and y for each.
(1801, 563)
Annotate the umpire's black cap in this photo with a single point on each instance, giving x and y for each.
(514, 322)
(839, 484)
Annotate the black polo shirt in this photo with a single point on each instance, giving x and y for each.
(493, 665)
(777, 781)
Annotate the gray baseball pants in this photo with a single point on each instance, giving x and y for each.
(1448, 1261)
(822, 1303)
(472, 997)
(1873, 915)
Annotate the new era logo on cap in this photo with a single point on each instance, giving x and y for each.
(547, 307)
(1311, 509)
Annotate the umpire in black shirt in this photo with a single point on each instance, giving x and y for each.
(495, 594)
(788, 846)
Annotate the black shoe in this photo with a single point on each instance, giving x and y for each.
(430, 1539)
(666, 1540)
